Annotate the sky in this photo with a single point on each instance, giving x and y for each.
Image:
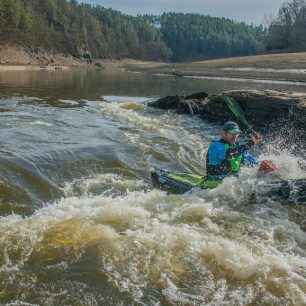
(250, 11)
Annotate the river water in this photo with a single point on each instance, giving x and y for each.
(81, 223)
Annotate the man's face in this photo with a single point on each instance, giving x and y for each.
(229, 138)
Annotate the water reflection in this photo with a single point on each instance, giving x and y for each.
(78, 84)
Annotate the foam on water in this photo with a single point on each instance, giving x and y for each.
(163, 136)
(105, 184)
(112, 240)
(30, 123)
(192, 250)
(69, 102)
(123, 99)
(289, 166)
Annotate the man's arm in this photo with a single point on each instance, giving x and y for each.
(237, 150)
(249, 160)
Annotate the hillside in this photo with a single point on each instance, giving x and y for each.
(84, 31)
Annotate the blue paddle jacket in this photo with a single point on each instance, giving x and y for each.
(224, 159)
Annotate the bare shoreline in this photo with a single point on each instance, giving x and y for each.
(6, 68)
(15, 57)
(275, 67)
(270, 67)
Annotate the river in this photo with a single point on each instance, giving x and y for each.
(81, 223)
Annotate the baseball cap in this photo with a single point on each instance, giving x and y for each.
(231, 127)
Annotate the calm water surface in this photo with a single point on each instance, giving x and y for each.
(81, 223)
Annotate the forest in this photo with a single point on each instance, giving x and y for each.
(193, 37)
(71, 27)
(288, 30)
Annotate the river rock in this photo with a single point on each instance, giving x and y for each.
(261, 107)
(168, 102)
(99, 65)
(183, 104)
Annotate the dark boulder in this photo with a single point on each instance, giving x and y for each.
(183, 104)
(260, 107)
(168, 102)
(197, 96)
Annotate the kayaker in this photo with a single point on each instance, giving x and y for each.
(225, 156)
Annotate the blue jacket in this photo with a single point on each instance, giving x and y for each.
(224, 159)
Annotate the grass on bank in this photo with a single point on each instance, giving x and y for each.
(215, 67)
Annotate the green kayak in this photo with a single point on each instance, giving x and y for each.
(181, 182)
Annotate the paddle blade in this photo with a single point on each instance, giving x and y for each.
(237, 111)
(267, 166)
(234, 107)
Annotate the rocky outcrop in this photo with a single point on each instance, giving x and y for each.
(38, 54)
(264, 107)
(183, 104)
(261, 108)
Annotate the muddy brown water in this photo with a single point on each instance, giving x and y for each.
(81, 223)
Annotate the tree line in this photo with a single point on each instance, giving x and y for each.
(288, 30)
(66, 26)
(197, 37)
(72, 27)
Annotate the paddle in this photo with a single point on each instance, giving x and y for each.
(266, 166)
(238, 112)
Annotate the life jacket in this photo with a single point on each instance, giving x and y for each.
(235, 162)
(226, 167)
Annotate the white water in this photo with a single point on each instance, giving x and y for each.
(203, 248)
(198, 248)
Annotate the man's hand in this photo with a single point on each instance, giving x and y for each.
(256, 138)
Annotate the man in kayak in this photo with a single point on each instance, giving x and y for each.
(225, 156)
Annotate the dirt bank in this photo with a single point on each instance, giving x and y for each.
(14, 57)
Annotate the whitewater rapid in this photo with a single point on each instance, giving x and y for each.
(109, 237)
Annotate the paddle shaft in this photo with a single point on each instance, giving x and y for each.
(237, 112)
